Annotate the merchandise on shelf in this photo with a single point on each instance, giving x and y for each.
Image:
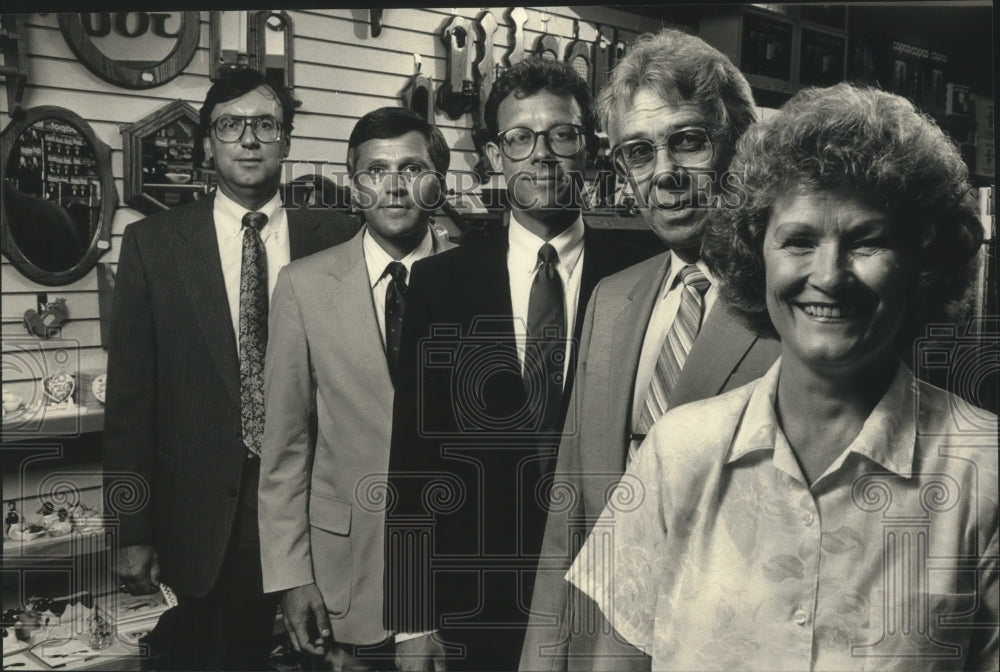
(61, 526)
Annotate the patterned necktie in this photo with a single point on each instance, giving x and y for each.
(395, 304)
(676, 347)
(253, 330)
(545, 346)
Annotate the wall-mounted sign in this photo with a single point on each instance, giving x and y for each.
(136, 50)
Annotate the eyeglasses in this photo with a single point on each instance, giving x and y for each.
(563, 140)
(230, 129)
(687, 147)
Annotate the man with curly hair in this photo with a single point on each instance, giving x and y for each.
(655, 336)
(484, 371)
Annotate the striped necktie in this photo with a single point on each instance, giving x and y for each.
(676, 347)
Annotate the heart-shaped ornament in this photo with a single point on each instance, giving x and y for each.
(59, 387)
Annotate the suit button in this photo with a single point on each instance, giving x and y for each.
(231, 492)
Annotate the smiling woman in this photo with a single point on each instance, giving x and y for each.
(773, 513)
(837, 279)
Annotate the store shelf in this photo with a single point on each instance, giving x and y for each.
(66, 546)
(41, 422)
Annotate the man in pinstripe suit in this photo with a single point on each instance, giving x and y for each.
(184, 405)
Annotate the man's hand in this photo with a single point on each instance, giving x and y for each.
(306, 621)
(421, 654)
(138, 569)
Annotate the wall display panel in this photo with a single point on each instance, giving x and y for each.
(346, 66)
(58, 195)
(136, 50)
(159, 173)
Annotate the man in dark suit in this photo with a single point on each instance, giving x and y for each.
(484, 369)
(654, 336)
(184, 413)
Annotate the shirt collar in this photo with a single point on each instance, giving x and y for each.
(524, 246)
(673, 273)
(232, 221)
(887, 437)
(377, 259)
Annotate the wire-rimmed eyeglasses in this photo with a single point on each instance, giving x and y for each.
(687, 148)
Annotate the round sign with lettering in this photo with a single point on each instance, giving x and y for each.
(137, 50)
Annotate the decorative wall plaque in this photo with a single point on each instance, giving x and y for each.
(158, 159)
(136, 50)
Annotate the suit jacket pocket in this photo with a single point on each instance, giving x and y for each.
(333, 565)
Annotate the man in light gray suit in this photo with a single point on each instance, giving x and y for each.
(334, 340)
(654, 336)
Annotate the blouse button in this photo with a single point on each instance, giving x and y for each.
(808, 518)
(801, 618)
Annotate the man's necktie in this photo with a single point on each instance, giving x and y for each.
(676, 347)
(253, 330)
(545, 347)
(395, 304)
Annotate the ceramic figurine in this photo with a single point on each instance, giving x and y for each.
(12, 403)
(48, 514)
(98, 386)
(58, 528)
(13, 518)
(59, 388)
(27, 532)
(85, 519)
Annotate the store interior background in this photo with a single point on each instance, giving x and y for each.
(347, 62)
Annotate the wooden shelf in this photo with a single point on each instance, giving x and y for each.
(35, 424)
(49, 548)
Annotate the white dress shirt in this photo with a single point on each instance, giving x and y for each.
(660, 320)
(522, 264)
(376, 259)
(228, 215)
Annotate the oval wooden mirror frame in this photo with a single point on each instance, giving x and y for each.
(101, 240)
(128, 76)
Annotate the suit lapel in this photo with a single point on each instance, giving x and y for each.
(201, 274)
(301, 234)
(594, 260)
(634, 318)
(721, 343)
(594, 268)
(351, 301)
(491, 282)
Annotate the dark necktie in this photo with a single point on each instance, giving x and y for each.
(545, 346)
(395, 304)
(676, 347)
(253, 330)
